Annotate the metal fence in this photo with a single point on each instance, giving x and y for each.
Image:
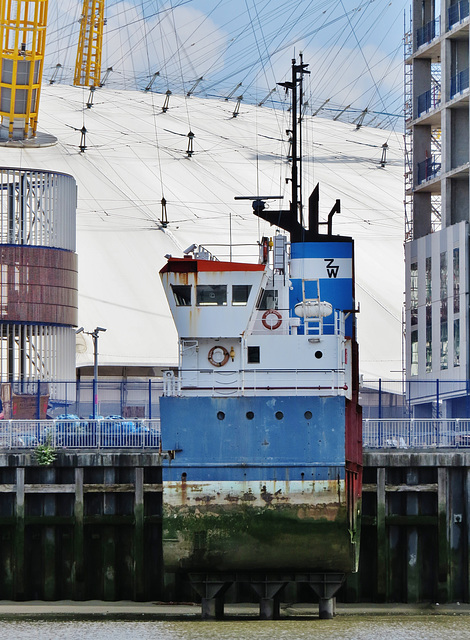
(416, 433)
(428, 32)
(428, 100)
(459, 82)
(428, 169)
(76, 433)
(457, 12)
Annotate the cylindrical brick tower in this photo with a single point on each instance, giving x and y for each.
(38, 275)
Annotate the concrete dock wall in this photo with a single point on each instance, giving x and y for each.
(415, 528)
(89, 527)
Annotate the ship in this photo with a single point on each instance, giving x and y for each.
(262, 414)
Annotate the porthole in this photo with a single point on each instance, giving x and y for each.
(318, 354)
(308, 415)
(220, 415)
(250, 415)
(279, 415)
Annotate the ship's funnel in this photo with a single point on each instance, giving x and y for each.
(22, 36)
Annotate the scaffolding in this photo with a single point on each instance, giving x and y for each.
(408, 134)
(88, 62)
(22, 36)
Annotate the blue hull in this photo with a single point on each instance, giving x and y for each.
(256, 483)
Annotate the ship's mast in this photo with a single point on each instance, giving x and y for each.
(295, 85)
(292, 220)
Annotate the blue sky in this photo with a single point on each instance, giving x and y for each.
(353, 48)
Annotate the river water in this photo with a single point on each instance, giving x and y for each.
(391, 627)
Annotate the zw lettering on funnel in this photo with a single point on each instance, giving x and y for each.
(331, 269)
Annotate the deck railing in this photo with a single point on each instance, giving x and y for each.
(81, 434)
(255, 382)
(416, 433)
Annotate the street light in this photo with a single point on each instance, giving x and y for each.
(95, 335)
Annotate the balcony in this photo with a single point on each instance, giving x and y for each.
(457, 12)
(428, 169)
(426, 34)
(430, 100)
(459, 82)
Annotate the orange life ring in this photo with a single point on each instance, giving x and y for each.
(218, 363)
(277, 324)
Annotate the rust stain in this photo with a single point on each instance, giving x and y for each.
(184, 487)
(248, 496)
(204, 499)
(231, 498)
(265, 495)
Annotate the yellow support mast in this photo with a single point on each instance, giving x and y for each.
(22, 41)
(88, 62)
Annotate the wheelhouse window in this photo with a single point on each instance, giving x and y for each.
(182, 294)
(240, 294)
(268, 299)
(211, 295)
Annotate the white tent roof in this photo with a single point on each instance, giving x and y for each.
(136, 155)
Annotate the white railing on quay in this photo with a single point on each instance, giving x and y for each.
(81, 433)
(415, 433)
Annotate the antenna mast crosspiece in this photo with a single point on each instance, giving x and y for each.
(291, 220)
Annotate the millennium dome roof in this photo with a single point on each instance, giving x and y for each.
(136, 154)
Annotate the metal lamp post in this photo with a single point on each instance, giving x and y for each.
(95, 335)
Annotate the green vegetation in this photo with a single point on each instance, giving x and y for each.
(45, 453)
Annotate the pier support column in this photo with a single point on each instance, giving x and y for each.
(326, 608)
(412, 565)
(212, 590)
(212, 608)
(382, 557)
(49, 540)
(78, 539)
(325, 586)
(19, 535)
(467, 527)
(269, 594)
(442, 533)
(139, 534)
(110, 533)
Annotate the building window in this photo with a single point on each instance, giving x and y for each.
(240, 294)
(414, 353)
(456, 260)
(456, 343)
(428, 316)
(211, 295)
(443, 309)
(414, 294)
(182, 294)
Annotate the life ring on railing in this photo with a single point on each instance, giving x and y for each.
(218, 356)
(277, 324)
